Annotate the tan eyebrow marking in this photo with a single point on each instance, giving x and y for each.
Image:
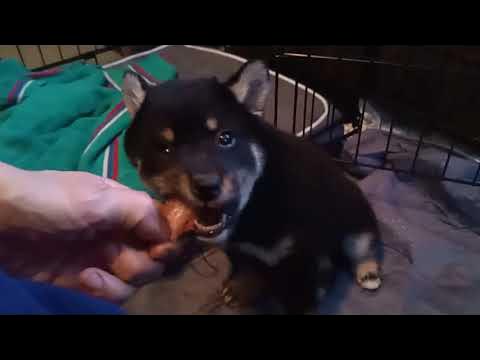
(212, 124)
(168, 134)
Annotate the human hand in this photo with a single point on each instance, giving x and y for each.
(80, 231)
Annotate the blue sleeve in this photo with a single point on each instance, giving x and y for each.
(26, 297)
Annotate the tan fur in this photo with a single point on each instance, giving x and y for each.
(240, 89)
(162, 184)
(158, 184)
(186, 190)
(168, 135)
(365, 268)
(133, 94)
(212, 124)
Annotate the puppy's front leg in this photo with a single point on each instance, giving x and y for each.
(247, 284)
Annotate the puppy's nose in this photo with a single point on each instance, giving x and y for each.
(207, 187)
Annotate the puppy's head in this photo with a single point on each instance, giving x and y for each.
(195, 140)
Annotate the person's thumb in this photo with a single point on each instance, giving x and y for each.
(101, 284)
(137, 212)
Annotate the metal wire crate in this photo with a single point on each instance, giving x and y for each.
(431, 102)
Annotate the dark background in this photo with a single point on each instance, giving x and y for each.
(426, 87)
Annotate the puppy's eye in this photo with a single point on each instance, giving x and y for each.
(166, 149)
(226, 139)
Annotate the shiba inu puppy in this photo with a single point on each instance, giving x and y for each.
(278, 205)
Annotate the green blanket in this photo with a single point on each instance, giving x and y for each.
(71, 117)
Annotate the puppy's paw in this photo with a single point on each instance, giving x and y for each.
(370, 281)
(368, 275)
(233, 296)
(229, 297)
(240, 292)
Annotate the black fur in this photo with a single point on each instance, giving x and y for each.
(300, 192)
(303, 193)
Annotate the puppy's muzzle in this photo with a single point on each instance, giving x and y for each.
(207, 187)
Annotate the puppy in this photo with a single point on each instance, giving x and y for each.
(278, 205)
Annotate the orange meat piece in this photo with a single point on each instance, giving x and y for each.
(180, 217)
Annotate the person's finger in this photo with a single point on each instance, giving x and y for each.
(164, 250)
(135, 211)
(132, 265)
(101, 284)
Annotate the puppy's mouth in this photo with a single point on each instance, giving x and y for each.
(210, 222)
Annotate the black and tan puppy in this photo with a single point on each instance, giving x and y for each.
(278, 205)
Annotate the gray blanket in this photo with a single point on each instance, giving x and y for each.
(431, 234)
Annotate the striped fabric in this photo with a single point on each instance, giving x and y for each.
(113, 116)
(45, 73)
(105, 154)
(18, 90)
(75, 118)
(110, 161)
(144, 74)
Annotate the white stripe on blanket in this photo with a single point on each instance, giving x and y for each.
(22, 92)
(105, 162)
(119, 115)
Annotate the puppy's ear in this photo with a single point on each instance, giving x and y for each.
(134, 91)
(251, 86)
